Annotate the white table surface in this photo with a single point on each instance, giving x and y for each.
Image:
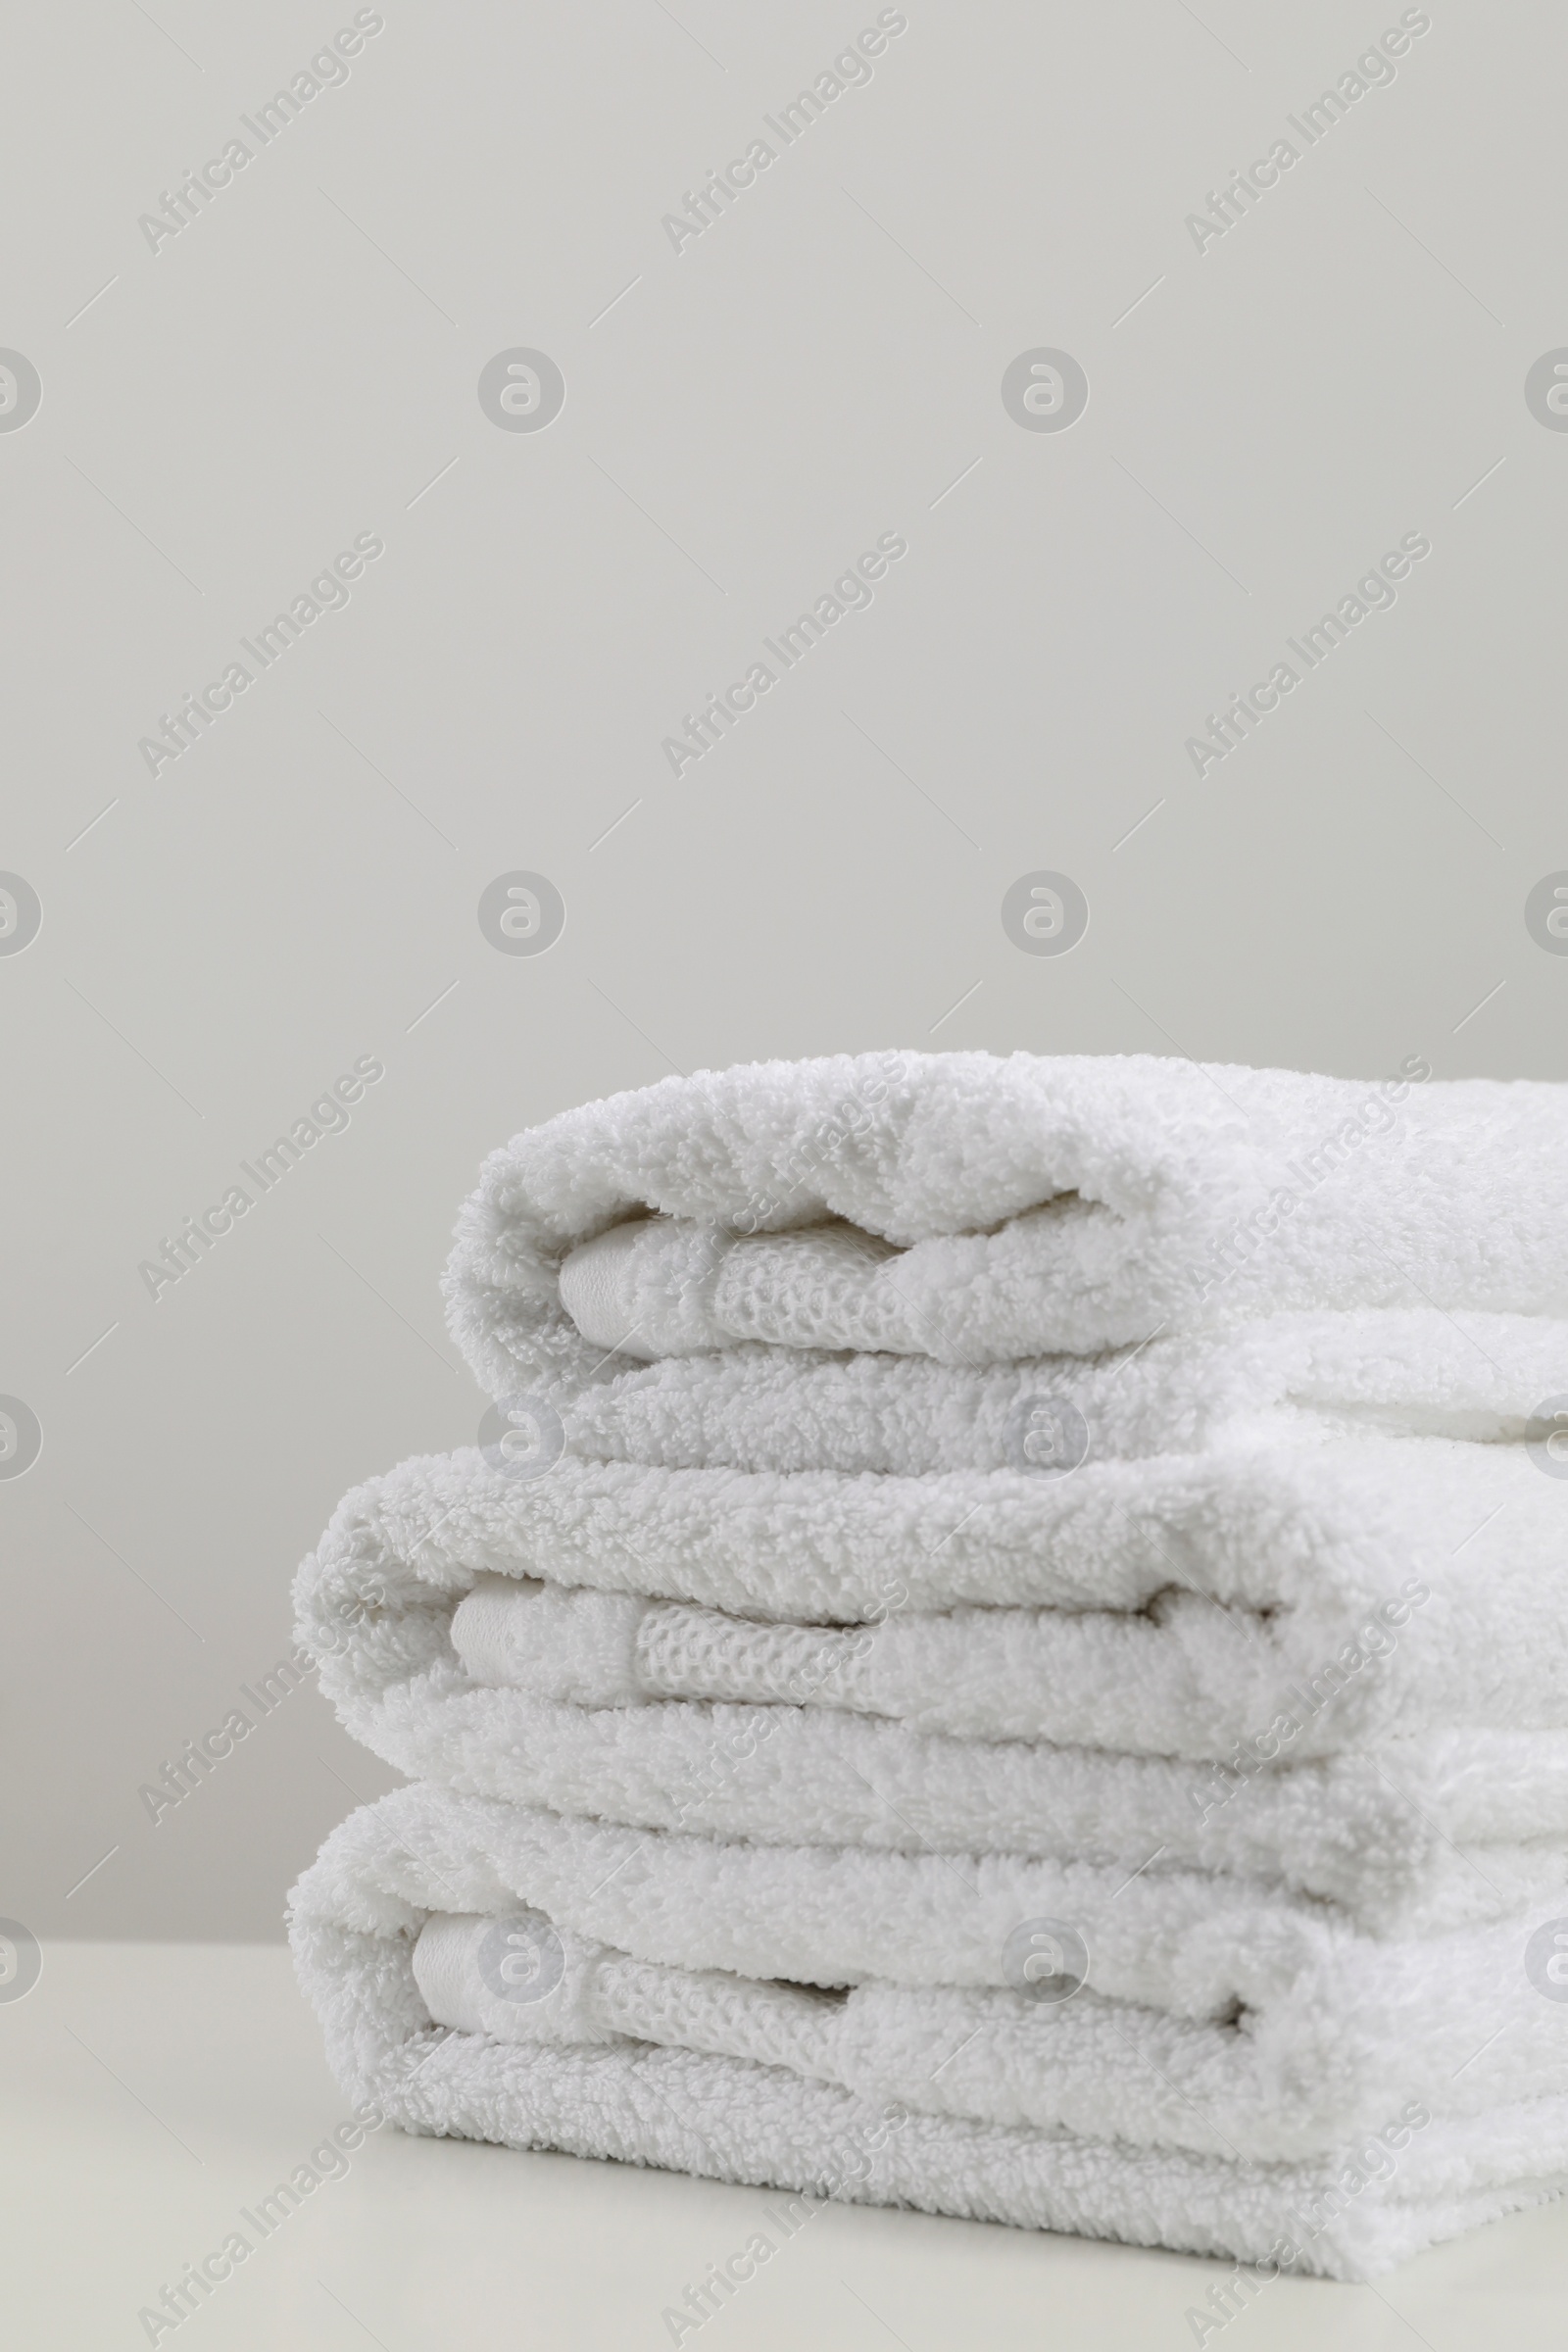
(151, 2091)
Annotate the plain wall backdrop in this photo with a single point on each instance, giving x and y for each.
(749, 406)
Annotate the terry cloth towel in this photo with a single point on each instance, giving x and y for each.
(1404, 1835)
(1119, 1752)
(1300, 1376)
(978, 1209)
(1247, 1512)
(1023, 1597)
(429, 1909)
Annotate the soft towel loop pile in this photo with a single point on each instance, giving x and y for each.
(971, 1511)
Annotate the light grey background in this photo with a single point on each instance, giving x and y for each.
(742, 419)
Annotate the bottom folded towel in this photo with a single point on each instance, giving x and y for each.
(496, 2024)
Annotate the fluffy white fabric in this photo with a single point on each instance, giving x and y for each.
(1094, 1500)
(1293, 1973)
(1375, 1763)
(1111, 2070)
(1275, 1530)
(1094, 2115)
(1002, 1208)
(1293, 1379)
(1412, 1833)
(1466, 1829)
(1185, 1676)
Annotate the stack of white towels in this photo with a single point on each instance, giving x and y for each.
(1001, 1650)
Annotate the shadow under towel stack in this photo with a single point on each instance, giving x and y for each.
(1003, 1649)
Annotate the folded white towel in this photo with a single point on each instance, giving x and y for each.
(627, 2070)
(1409, 1833)
(977, 1507)
(1270, 1529)
(1485, 1378)
(978, 1209)
(1288, 1993)
(1185, 1676)
(1106, 2068)
(1476, 1720)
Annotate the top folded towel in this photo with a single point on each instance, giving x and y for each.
(978, 1209)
